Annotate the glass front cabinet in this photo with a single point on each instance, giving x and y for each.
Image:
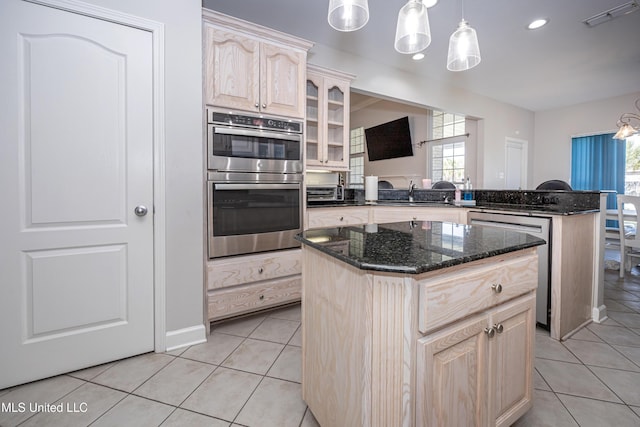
(327, 133)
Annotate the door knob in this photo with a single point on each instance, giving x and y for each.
(141, 210)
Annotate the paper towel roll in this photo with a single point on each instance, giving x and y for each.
(426, 183)
(371, 188)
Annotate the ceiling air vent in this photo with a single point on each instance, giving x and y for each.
(615, 12)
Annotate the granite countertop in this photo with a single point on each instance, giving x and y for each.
(414, 247)
(396, 203)
(527, 209)
(534, 209)
(529, 202)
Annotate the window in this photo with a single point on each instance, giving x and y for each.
(447, 162)
(445, 125)
(598, 163)
(447, 151)
(632, 167)
(356, 158)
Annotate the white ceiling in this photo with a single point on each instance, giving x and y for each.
(564, 63)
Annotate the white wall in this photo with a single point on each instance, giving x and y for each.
(184, 152)
(416, 166)
(386, 111)
(497, 120)
(555, 128)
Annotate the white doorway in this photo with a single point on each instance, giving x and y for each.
(77, 163)
(515, 177)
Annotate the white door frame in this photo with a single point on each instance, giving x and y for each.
(524, 145)
(159, 214)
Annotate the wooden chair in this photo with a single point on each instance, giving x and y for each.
(612, 237)
(628, 223)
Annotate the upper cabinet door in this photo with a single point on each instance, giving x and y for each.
(232, 70)
(252, 68)
(328, 132)
(315, 117)
(282, 76)
(337, 125)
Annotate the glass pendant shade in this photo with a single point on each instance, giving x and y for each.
(625, 131)
(348, 15)
(464, 51)
(413, 33)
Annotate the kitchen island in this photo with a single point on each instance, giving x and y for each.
(574, 257)
(418, 323)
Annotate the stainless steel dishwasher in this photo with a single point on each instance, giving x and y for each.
(537, 226)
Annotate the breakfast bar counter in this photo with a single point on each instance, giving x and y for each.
(418, 323)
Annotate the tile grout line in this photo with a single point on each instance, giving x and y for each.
(589, 367)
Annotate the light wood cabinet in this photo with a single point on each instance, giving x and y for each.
(382, 214)
(337, 217)
(246, 283)
(327, 121)
(478, 371)
(472, 291)
(354, 215)
(367, 361)
(451, 364)
(253, 68)
(572, 273)
(511, 361)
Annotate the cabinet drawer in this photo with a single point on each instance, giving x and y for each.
(470, 291)
(382, 214)
(237, 300)
(245, 269)
(336, 217)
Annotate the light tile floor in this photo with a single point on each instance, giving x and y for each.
(248, 374)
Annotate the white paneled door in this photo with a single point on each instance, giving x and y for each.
(515, 164)
(76, 160)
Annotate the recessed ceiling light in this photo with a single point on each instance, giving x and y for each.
(537, 23)
(418, 56)
(429, 3)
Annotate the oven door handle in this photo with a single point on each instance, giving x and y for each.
(225, 186)
(257, 133)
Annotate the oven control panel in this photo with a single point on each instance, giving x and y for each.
(254, 122)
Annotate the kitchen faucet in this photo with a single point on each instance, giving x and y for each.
(412, 187)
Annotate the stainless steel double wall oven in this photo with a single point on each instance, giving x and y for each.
(254, 190)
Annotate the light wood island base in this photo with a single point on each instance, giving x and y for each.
(442, 348)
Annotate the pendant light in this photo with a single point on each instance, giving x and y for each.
(464, 51)
(412, 32)
(624, 123)
(348, 15)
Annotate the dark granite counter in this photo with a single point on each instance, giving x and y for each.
(415, 247)
(528, 201)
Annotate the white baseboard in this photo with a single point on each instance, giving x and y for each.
(185, 337)
(599, 314)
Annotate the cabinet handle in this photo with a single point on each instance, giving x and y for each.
(264, 105)
(260, 270)
(341, 218)
(261, 297)
(415, 218)
(497, 288)
(490, 332)
(257, 105)
(498, 327)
